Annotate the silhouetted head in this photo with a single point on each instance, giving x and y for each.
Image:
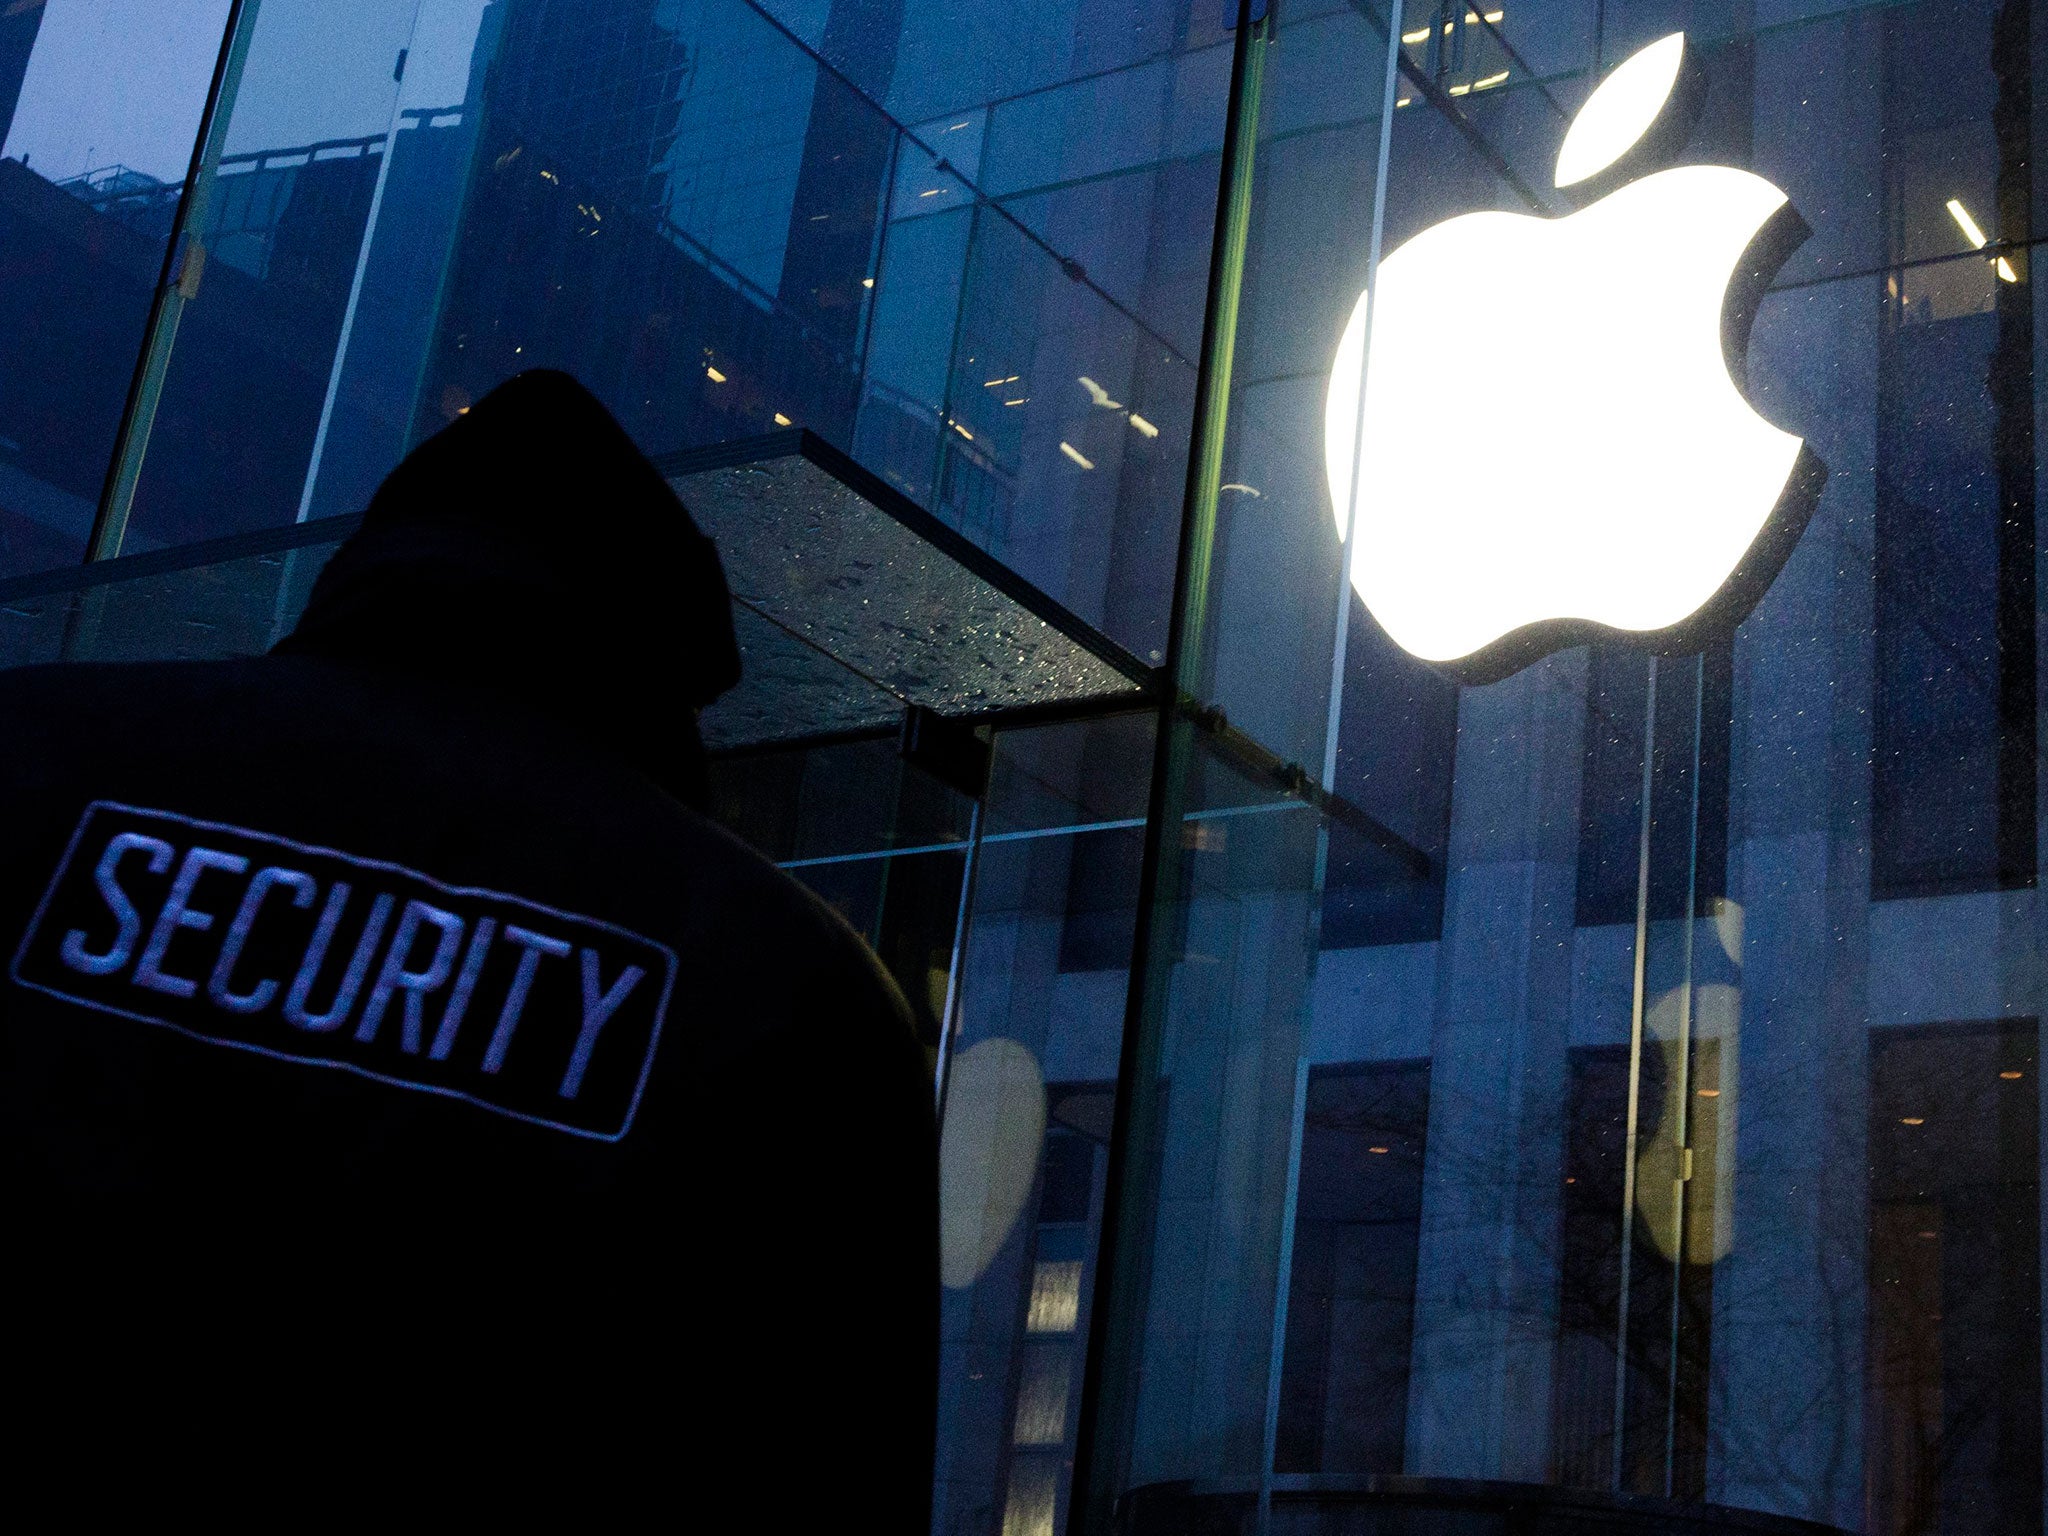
(530, 544)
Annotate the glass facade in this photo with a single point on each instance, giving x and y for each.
(1374, 1099)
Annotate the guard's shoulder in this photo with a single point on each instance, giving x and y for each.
(766, 911)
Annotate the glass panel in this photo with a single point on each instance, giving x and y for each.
(816, 546)
(99, 104)
(1701, 1053)
(729, 239)
(1029, 1096)
(232, 598)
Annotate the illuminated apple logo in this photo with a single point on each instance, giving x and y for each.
(1553, 445)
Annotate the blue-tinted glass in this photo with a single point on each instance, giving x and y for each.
(99, 103)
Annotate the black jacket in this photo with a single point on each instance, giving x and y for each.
(402, 1089)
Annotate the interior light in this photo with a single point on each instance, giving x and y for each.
(931, 192)
(2012, 1077)
(1404, 101)
(1144, 427)
(963, 431)
(2005, 271)
(1419, 35)
(714, 375)
(1495, 16)
(1249, 490)
(1926, 1234)
(1018, 401)
(1376, 1149)
(867, 282)
(1097, 395)
(956, 127)
(1619, 111)
(781, 420)
(1459, 90)
(992, 383)
(1966, 224)
(1055, 1304)
(1913, 1120)
(1710, 1093)
(1076, 455)
(1489, 82)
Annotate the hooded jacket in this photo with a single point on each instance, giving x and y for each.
(405, 1094)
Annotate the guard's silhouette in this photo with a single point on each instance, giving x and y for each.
(405, 1094)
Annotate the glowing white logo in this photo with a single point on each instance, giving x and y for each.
(1550, 431)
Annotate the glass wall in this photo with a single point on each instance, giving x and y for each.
(1632, 1127)
(1375, 1097)
(995, 305)
(99, 103)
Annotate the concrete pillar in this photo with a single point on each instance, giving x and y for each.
(1487, 1277)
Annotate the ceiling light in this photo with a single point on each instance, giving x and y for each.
(714, 375)
(1967, 224)
(1489, 82)
(1097, 395)
(1376, 1149)
(1145, 427)
(2005, 270)
(1913, 1120)
(1710, 1093)
(1076, 455)
(2012, 1076)
(867, 282)
(1419, 35)
(781, 420)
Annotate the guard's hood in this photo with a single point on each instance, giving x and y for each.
(529, 546)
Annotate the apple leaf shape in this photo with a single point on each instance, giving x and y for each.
(1620, 110)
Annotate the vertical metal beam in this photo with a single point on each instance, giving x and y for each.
(1341, 645)
(949, 1016)
(1681, 1134)
(177, 285)
(1110, 1383)
(1276, 1354)
(1635, 1073)
(355, 285)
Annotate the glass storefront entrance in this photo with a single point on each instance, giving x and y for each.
(1601, 1089)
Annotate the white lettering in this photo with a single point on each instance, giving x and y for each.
(295, 1010)
(395, 977)
(465, 985)
(178, 913)
(535, 945)
(598, 1006)
(127, 920)
(220, 986)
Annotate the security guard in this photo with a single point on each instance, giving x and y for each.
(408, 1097)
